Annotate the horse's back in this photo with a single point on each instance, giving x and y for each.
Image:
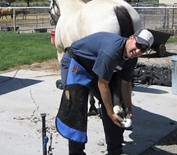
(99, 15)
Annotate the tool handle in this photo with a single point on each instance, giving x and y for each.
(44, 137)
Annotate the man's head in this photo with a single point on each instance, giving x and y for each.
(138, 43)
(144, 37)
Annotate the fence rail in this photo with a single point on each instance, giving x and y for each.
(25, 19)
(159, 18)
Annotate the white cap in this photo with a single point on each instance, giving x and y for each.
(144, 37)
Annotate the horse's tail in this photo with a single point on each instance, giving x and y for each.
(125, 21)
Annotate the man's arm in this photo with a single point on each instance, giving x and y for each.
(126, 91)
(103, 86)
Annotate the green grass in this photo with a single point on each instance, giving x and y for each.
(20, 49)
(172, 39)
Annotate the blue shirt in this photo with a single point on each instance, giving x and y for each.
(102, 53)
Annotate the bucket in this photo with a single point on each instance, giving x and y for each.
(174, 74)
(52, 34)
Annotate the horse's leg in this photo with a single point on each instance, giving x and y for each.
(59, 82)
(115, 87)
(24, 15)
(59, 55)
(92, 109)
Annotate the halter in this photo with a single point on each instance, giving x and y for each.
(53, 21)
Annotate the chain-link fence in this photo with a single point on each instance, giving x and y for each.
(159, 18)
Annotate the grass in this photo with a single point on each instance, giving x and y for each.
(20, 49)
(172, 39)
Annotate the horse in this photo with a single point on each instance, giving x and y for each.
(21, 11)
(76, 19)
(6, 11)
(9, 11)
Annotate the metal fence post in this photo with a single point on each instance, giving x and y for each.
(14, 19)
(174, 74)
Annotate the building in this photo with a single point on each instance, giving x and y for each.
(168, 2)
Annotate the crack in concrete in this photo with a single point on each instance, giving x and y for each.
(35, 119)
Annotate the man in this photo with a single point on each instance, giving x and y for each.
(102, 54)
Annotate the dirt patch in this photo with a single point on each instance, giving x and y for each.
(50, 65)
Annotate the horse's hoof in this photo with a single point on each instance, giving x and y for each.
(93, 112)
(117, 109)
(59, 84)
(127, 122)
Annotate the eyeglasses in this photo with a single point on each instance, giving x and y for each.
(140, 46)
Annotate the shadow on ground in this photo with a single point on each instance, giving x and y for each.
(148, 127)
(9, 84)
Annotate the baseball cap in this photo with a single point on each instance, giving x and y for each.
(144, 36)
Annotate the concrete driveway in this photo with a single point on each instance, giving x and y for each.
(25, 94)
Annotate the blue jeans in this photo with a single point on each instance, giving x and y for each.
(113, 134)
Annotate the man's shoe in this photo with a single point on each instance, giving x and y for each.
(77, 153)
(113, 154)
(118, 152)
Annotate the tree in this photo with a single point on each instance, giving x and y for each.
(28, 2)
(10, 1)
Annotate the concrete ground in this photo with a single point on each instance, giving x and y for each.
(25, 94)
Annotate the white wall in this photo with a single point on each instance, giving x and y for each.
(168, 2)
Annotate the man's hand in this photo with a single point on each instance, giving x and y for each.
(116, 119)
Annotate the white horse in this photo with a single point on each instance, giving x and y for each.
(78, 19)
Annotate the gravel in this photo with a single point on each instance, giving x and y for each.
(151, 59)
